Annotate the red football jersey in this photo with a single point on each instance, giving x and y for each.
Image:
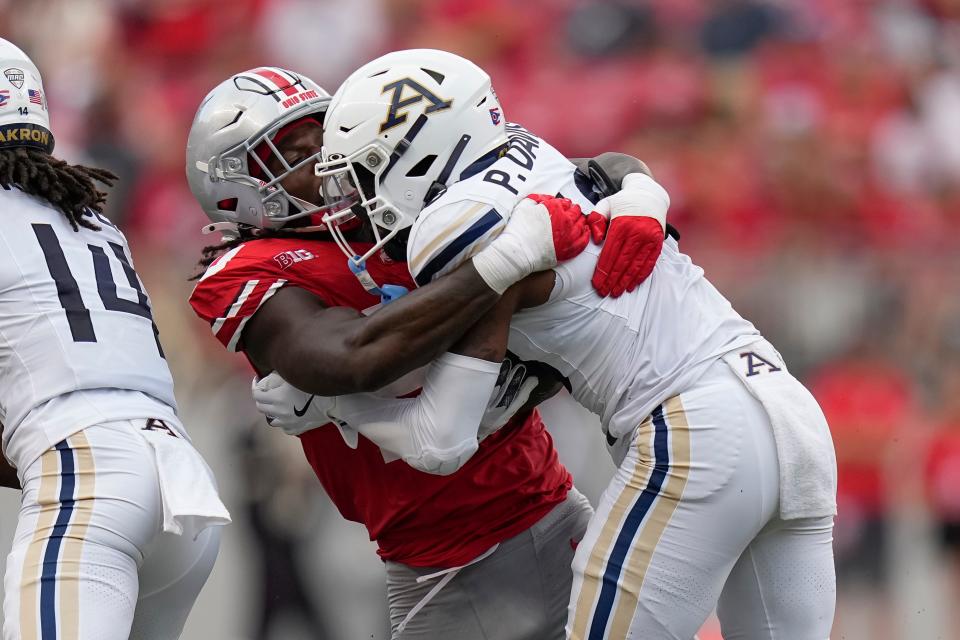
(416, 518)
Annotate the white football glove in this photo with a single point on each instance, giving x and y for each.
(295, 411)
(513, 389)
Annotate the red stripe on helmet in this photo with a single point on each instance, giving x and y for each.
(277, 79)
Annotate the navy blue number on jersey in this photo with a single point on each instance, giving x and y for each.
(78, 316)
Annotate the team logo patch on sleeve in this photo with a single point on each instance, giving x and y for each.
(495, 115)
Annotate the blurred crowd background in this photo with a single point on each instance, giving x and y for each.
(812, 152)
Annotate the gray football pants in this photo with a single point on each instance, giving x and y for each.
(519, 592)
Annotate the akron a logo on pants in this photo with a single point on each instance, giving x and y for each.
(756, 363)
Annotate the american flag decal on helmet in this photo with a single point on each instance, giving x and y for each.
(270, 81)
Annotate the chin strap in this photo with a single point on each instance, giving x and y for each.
(388, 292)
(439, 186)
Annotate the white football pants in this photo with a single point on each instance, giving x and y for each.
(90, 560)
(691, 521)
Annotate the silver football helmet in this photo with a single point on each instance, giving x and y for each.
(232, 137)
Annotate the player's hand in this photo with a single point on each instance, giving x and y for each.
(541, 231)
(571, 228)
(288, 408)
(635, 236)
(514, 386)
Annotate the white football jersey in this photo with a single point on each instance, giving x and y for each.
(78, 345)
(623, 356)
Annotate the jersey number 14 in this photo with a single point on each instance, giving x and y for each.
(78, 316)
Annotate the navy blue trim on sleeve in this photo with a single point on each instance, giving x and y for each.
(459, 244)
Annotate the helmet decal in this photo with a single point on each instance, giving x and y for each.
(398, 102)
(15, 77)
(270, 81)
(283, 86)
(35, 96)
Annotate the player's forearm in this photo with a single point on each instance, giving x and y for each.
(442, 423)
(436, 432)
(408, 333)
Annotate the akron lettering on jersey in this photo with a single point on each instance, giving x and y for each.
(522, 151)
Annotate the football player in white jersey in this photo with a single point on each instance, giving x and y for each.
(482, 554)
(725, 489)
(114, 538)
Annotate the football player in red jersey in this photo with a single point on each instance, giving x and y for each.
(482, 553)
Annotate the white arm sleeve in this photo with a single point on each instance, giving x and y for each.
(435, 432)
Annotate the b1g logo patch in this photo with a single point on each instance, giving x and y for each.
(15, 77)
(287, 259)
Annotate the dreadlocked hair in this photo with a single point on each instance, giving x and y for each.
(69, 188)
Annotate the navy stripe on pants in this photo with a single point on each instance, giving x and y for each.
(611, 575)
(51, 556)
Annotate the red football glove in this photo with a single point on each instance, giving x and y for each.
(635, 235)
(541, 231)
(572, 230)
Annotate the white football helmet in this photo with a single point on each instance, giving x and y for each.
(400, 129)
(239, 118)
(24, 119)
